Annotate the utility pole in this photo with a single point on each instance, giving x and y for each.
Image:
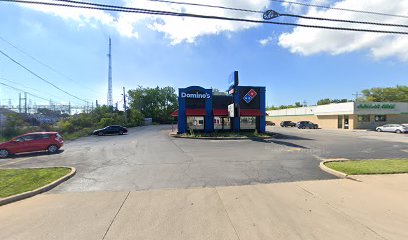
(356, 95)
(69, 108)
(19, 102)
(124, 104)
(96, 103)
(25, 103)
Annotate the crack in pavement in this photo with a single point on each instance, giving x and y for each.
(107, 230)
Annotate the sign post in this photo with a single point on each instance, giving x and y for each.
(233, 109)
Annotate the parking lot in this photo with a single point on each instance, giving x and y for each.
(148, 158)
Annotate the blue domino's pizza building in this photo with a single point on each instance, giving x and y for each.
(200, 109)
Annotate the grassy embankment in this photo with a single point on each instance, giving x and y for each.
(15, 181)
(360, 167)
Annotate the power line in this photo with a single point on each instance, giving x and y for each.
(340, 9)
(18, 89)
(5, 79)
(38, 61)
(282, 14)
(41, 78)
(167, 13)
(206, 5)
(270, 14)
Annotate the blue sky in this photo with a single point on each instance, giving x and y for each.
(293, 64)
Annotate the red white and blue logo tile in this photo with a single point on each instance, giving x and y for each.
(250, 96)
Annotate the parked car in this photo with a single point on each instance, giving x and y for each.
(32, 142)
(113, 129)
(306, 124)
(270, 123)
(287, 124)
(397, 128)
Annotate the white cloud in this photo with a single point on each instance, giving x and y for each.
(81, 16)
(307, 41)
(187, 29)
(177, 29)
(266, 41)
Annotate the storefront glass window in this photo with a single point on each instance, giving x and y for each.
(248, 122)
(380, 118)
(363, 118)
(227, 123)
(217, 123)
(222, 123)
(195, 123)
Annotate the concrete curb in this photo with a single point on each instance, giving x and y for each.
(34, 192)
(222, 138)
(334, 172)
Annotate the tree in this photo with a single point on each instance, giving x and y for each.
(324, 101)
(389, 94)
(328, 101)
(156, 103)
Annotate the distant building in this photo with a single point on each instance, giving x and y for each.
(350, 115)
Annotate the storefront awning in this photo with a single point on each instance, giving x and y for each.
(190, 112)
(251, 112)
(220, 112)
(195, 112)
(174, 114)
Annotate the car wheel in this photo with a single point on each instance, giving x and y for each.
(3, 153)
(52, 148)
(398, 131)
(100, 133)
(379, 130)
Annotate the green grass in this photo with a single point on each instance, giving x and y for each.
(382, 166)
(3, 139)
(15, 181)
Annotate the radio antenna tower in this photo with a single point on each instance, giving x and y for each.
(110, 101)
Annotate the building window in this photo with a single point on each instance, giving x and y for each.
(248, 122)
(363, 118)
(195, 123)
(380, 118)
(222, 123)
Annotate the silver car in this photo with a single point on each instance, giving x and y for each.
(397, 128)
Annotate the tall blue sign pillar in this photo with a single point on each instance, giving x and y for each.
(195, 101)
(236, 123)
(233, 89)
(262, 108)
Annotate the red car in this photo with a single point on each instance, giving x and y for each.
(32, 142)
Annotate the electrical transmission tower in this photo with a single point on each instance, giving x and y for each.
(110, 101)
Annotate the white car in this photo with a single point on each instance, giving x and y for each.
(397, 128)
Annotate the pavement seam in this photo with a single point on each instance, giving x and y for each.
(226, 212)
(114, 218)
(341, 212)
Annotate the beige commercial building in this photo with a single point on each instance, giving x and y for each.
(350, 115)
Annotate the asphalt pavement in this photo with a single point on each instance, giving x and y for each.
(148, 158)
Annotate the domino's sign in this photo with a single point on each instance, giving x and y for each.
(250, 96)
(196, 95)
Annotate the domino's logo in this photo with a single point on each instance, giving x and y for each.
(250, 95)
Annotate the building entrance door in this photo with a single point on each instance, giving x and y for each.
(346, 122)
(340, 122)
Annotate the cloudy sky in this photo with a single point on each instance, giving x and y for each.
(68, 47)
